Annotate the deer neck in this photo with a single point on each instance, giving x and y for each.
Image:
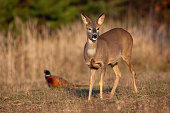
(91, 47)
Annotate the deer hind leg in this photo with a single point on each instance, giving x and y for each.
(127, 60)
(92, 72)
(118, 76)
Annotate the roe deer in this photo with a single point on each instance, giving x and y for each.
(106, 49)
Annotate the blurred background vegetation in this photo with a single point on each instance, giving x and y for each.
(48, 34)
(58, 12)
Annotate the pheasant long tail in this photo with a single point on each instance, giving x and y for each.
(79, 85)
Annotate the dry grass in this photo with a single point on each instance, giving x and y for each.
(25, 54)
(153, 97)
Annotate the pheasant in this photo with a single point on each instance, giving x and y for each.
(56, 81)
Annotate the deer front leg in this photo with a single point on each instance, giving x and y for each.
(103, 70)
(94, 64)
(92, 73)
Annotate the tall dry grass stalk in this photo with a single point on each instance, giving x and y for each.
(25, 54)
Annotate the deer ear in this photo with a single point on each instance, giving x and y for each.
(85, 19)
(100, 20)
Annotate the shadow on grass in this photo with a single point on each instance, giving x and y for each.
(83, 93)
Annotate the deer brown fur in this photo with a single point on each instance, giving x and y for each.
(106, 49)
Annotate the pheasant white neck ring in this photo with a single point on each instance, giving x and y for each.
(47, 75)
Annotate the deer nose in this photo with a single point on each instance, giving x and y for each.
(94, 35)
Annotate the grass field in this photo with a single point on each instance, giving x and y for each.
(31, 49)
(153, 97)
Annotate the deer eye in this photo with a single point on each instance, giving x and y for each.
(89, 29)
(97, 29)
